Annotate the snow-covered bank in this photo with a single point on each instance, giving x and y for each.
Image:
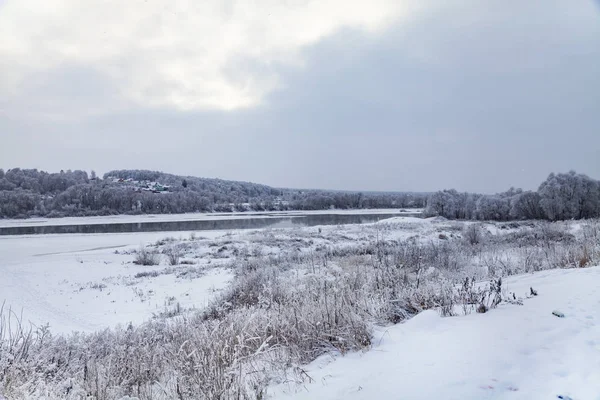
(121, 219)
(87, 282)
(513, 352)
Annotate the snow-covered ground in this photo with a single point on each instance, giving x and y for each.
(119, 219)
(78, 282)
(88, 282)
(513, 352)
(384, 272)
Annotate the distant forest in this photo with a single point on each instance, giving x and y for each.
(559, 197)
(28, 192)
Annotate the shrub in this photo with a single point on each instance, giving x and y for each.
(473, 234)
(146, 274)
(146, 257)
(173, 255)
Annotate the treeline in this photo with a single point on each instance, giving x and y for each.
(559, 197)
(28, 192)
(321, 200)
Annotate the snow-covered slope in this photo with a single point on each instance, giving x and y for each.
(513, 352)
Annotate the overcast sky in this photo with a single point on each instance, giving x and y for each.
(370, 95)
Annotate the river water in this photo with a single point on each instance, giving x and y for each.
(253, 222)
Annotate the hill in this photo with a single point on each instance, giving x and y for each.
(29, 192)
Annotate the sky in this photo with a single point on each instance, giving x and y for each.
(389, 95)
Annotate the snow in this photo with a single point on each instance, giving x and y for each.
(118, 219)
(513, 352)
(78, 283)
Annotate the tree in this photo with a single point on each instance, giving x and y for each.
(570, 196)
(526, 206)
(451, 204)
(5, 184)
(495, 208)
(438, 204)
(27, 192)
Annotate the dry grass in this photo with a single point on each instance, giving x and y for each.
(280, 311)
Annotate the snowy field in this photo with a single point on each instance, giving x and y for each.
(385, 310)
(87, 282)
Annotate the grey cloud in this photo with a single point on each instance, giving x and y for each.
(474, 96)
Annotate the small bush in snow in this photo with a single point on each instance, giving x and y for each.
(146, 257)
(473, 234)
(173, 255)
(147, 274)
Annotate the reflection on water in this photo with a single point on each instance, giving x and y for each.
(219, 224)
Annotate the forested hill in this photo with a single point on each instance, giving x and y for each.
(30, 192)
(220, 191)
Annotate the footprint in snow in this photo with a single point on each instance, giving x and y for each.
(502, 386)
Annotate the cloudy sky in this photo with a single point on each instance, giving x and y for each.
(370, 95)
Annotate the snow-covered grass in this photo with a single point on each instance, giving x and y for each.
(294, 296)
(515, 352)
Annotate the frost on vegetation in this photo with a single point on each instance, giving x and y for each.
(285, 308)
(29, 192)
(180, 272)
(173, 255)
(146, 257)
(473, 234)
(564, 196)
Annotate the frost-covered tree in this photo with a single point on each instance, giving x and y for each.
(69, 193)
(5, 184)
(493, 208)
(440, 203)
(588, 197)
(569, 196)
(451, 204)
(526, 205)
(561, 196)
